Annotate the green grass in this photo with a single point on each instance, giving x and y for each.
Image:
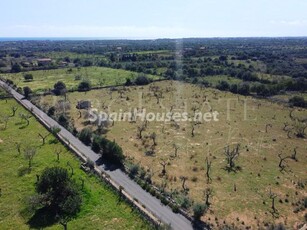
(215, 80)
(259, 65)
(100, 209)
(98, 76)
(2, 92)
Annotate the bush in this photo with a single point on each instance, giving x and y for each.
(63, 121)
(59, 88)
(16, 68)
(199, 210)
(84, 86)
(112, 152)
(96, 144)
(28, 77)
(174, 207)
(223, 85)
(27, 91)
(134, 170)
(142, 80)
(86, 136)
(77, 77)
(244, 89)
(185, 202)
(298, 101)
(51, 111)
(128, 82)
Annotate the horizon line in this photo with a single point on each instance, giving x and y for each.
(28, 38)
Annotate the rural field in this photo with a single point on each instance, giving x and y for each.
(271, 160)
(101, 207)
(98, 76)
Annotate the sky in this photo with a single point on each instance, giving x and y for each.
(153, 18)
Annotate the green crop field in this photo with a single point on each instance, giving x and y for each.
(258, 125)
(101, 207)
(215, 80)
(98, 76)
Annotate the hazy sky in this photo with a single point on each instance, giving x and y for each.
(152, 18)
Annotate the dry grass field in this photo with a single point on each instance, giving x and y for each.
(240, 196)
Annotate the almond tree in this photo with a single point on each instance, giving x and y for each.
(43, 137)
(29, 153)
(14, 109)
(231, 156)
(208, 169)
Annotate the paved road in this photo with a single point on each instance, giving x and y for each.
(164, 213)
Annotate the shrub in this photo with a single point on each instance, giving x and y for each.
(133, 171)
(27, 91)
(128, 82)
(51, 111)
(142, 80)
(112, 152)
(59, 88)
(63, 121)
(28, 77)
(298, 101)
(84, 86)
(199, 210)
(223, 85)
(86, 136)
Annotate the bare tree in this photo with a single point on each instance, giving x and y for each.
(231, 156)
(58, 152)
(141, 129)
(18, 147)
(163, 163)
(208, 193)
(193, 130)
(176, 147)
(183, 180)
(14, 109)
(281, 161)
(293, 156)
(208, 169)
(273, 197)
(43, 137)
(29, 153)
(153, 136)
(25, 117)
(158, 96)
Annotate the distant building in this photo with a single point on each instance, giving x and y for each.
(26, 64)
(44, 61)
(63, 63)
(84, 105)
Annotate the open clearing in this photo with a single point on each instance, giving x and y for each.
(101, 207)
(241, 120)
(98, 76)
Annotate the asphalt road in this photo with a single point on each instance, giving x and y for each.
(164, 213)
